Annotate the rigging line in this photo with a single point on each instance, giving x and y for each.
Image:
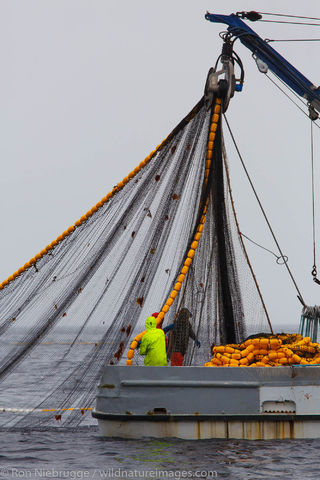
(298, 97)
(262, 210)
(201, 312)
(291, 23)
(289, 16)
(298, 82)
(284, 258)
(288, 96)
(314, 269)
(170, 339)
(241, 239)
(291, 91)
(268, 40)
(295, 94)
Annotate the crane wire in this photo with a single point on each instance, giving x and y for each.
(288, 96)
(294, 93)
(299, 82)
(278, 257)
(289, 16)
(291, 23)
(314, 268)
(263, 211)
(242, 242)
(268, 40)
(289, 88)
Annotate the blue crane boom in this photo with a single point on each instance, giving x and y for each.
(262, 51)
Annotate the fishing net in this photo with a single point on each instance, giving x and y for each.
(78, 304)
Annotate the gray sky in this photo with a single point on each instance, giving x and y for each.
(89, 88)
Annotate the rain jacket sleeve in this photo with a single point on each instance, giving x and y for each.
(168, 328)
(143, 346)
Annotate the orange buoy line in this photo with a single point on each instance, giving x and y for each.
(104, 200)
(84, 217)
(194, 245)
(44, 410)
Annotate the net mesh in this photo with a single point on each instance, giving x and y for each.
(80, 305)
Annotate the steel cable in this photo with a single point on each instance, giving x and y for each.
(288, 96)
(263, 211)
(288, 16)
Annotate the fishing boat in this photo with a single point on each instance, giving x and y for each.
(199, 403)
(164, 239)
(194, 401)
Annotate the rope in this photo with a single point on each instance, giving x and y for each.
(288, 96)
(291, 23)
(43, 410)
(268, 40)
(312, 190)
(215, 117)
(314, 268)
(287, 86)
(289, 16)
(263, 211)
(106, 199)
(169, 349)
(201, 312)
(242, 243)
(284, 259)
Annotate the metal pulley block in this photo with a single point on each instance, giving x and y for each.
(313, 114)
(220, 83)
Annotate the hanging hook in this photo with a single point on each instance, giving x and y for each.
(314, 269)
(314, 274)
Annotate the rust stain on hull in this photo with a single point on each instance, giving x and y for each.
(200, 430)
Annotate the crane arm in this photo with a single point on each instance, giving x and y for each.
(262, 51)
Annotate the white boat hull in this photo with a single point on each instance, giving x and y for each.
(278, 429)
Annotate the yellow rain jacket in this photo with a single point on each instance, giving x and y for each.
(153, 345)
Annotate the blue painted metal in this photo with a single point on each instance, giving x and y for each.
(277, 64)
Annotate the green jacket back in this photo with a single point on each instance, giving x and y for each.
(153, 345)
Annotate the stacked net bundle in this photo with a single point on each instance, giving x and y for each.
(79, 305)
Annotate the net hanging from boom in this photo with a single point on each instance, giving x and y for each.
(81, 302)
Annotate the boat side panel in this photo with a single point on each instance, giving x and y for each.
(124, 392)
(289, 393)
(305, 398)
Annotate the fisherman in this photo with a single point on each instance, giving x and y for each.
(179, 340)
(153, 345)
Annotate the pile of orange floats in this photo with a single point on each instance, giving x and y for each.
(269, 351)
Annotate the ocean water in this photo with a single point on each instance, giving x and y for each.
(84, 454)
